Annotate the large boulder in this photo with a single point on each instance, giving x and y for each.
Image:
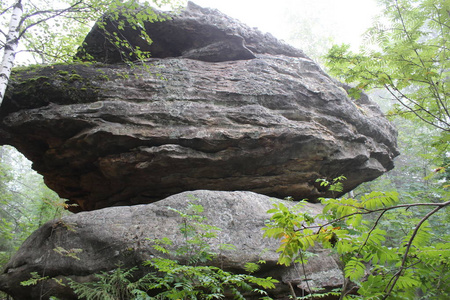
(124, 236)
(195, 32)
(271, 122)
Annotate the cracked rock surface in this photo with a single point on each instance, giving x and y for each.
(271, 121)
(124, 235)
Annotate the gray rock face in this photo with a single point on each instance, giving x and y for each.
(195, 33)
(106, 135)
(116, 235)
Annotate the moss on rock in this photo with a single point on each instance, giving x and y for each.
(36, 86)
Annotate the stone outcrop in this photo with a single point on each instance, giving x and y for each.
(270, 121)
(123, 235)
(194, 33)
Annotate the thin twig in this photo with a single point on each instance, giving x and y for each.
(55, 14)
(367, 211)
(370, 231)
(304, 273)
(292, 290)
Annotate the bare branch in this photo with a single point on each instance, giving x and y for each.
(414, 111)
(6, 9)
(3, 33)
(371, 230)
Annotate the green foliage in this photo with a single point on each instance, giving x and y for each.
(170, 279)
(328, 295)
(354, 269)
(72, 253)
(25, 202)
(251, 267)
(203, 282)
(406, 53)
(114, 285)
(43, 22)
(35, 279)
(370, 261)
(196, 233)
(335, 185)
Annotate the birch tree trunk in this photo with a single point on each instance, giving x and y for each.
(10, 49)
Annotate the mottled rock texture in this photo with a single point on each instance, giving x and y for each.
(271, 122)
(123, 235)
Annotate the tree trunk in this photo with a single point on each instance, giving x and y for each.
(9, 51)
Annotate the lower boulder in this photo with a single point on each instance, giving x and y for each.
(83, 244)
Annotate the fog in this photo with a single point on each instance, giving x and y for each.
(318, 23)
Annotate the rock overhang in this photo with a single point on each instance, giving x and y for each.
(105, 135)
(194, 32)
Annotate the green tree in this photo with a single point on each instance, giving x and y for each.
(25, 202)
(406, 53)
(393, 245)
(383, 259)
(51, 31)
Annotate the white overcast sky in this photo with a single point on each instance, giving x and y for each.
(346, 19)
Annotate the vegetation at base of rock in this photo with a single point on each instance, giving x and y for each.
(116, 284)
(177, 282)
(417, 262)
(171, 279)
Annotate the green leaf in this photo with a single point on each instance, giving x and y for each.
(354, 269)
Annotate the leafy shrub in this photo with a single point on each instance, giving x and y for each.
(171, 279)
(417, 264)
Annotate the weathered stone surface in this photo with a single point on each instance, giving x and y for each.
(105, 135)
(122, 235)
(195, 32)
